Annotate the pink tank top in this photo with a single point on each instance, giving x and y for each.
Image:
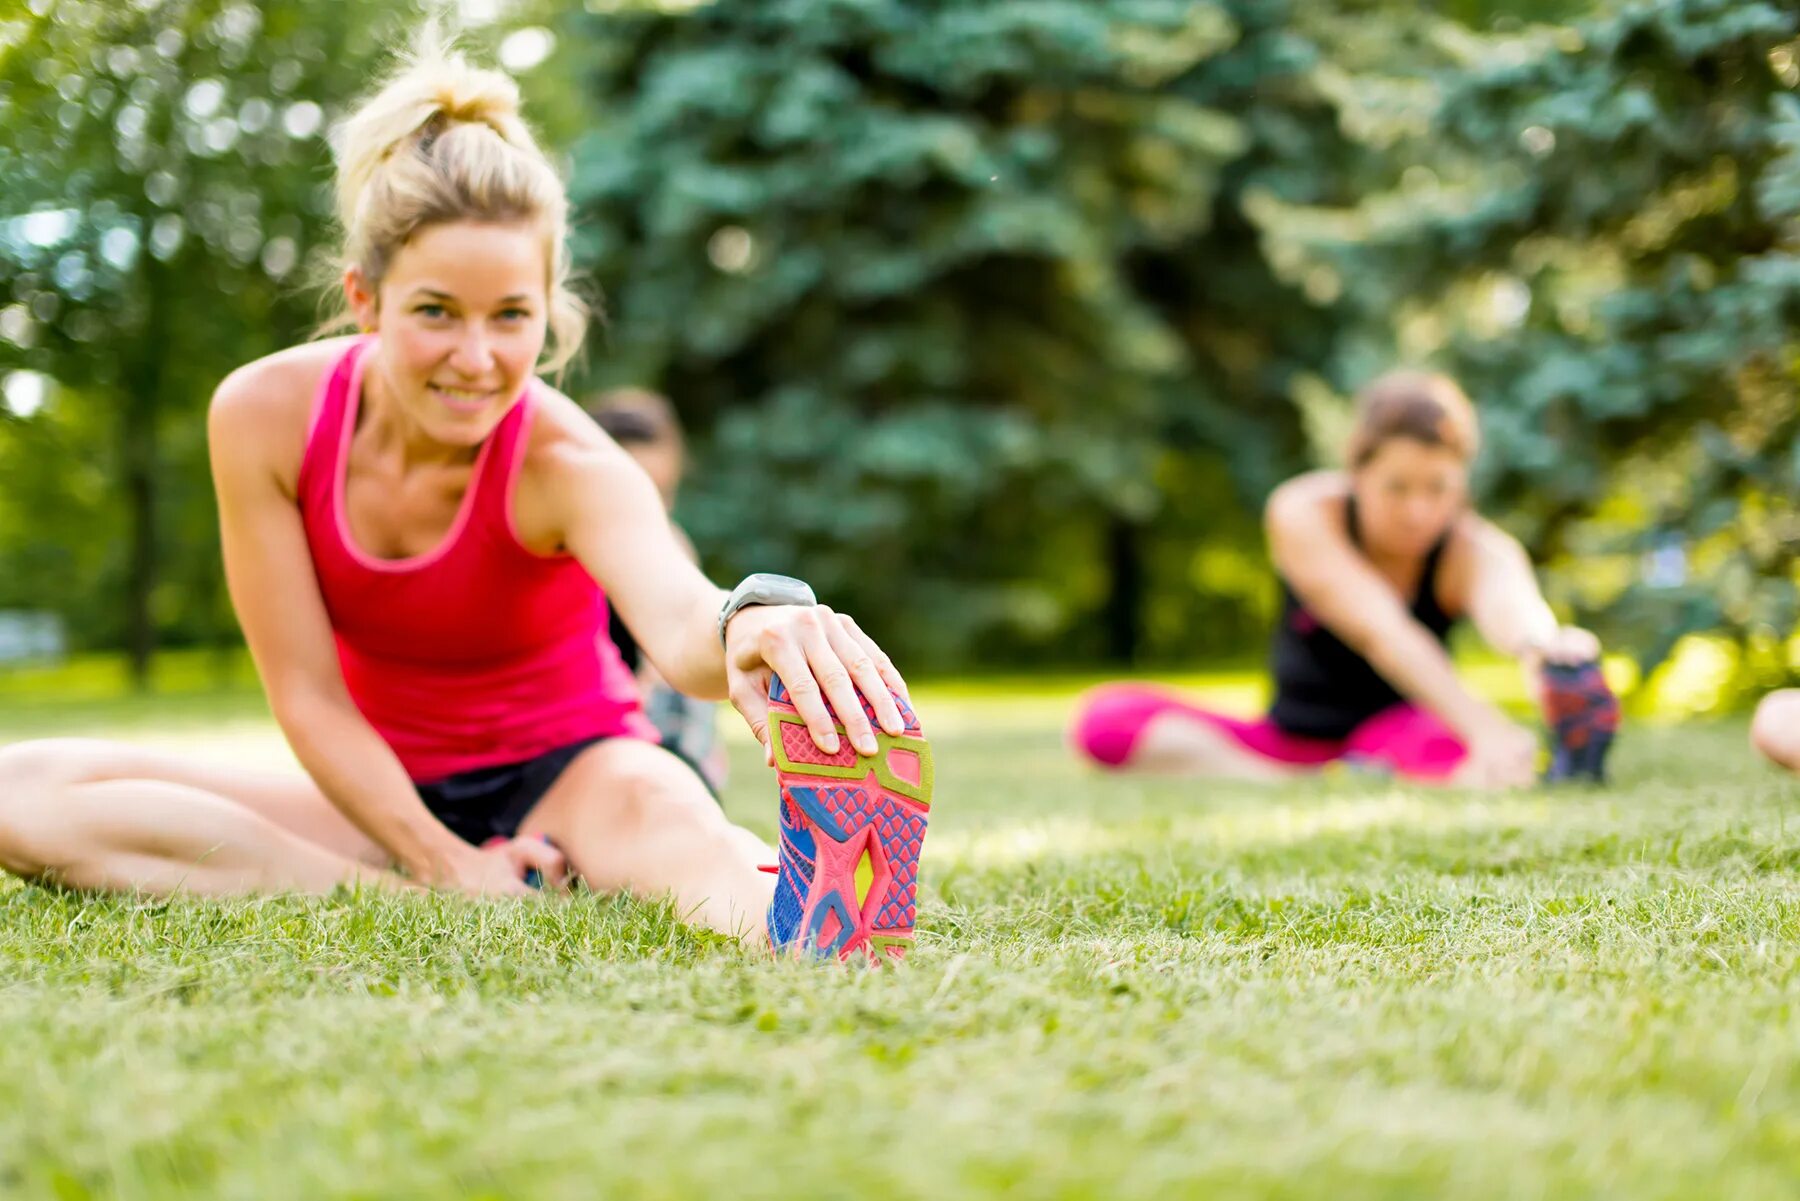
(479, 652)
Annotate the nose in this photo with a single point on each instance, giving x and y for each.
(1430, 518)
(472, 357)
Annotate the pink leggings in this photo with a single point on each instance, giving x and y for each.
(1405, 739)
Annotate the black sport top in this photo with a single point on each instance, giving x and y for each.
(1323, 689)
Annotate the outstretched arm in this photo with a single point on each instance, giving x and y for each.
(610, 517)
(1507, 607)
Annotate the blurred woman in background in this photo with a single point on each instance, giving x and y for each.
(1377, 564)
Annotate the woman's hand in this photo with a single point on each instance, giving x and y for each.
(500, 868)
(821, 657)
(1502, 755)
(1567, 647)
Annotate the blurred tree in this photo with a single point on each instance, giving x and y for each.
(1592, 225)
(167, 183)
(997, 321)
(966, 298)
(167, 210)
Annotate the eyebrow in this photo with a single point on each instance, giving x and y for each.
(515, 298)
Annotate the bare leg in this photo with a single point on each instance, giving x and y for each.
(749, 844)
(95, 815)
(1139, 727)
(1775, 732)
(631, 816)
(1175, 743)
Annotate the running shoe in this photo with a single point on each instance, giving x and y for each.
(1583, 716)
(852, 827)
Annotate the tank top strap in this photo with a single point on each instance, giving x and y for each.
(503, 461)
(324, 435)
(1426, 604)
(1434, 559)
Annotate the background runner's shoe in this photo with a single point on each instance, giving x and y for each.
(1583, 715)
(851, 830)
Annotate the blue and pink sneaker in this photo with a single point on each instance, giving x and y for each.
(852, 827)
(1583, 716)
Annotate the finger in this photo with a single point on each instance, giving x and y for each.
(539, 852)
(525, 855)
(750, 697)
(502, 886)
(864, 672)
(540, 855)
(526, 852)
(1577, 646)
(834, 677)
(889, 673)
(787, 658)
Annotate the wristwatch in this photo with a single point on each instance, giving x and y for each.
(764, 588)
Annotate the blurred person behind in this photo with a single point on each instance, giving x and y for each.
(1377, 563)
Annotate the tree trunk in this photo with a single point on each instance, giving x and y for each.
(138, 454)
(140, 400)
(1124, 603)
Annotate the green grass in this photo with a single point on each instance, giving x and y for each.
(1123, 989)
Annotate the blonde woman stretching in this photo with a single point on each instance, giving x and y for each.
(420, 539)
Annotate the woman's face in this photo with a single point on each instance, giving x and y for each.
(462, 315)
(1407, 496)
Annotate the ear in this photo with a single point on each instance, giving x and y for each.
(363, 300)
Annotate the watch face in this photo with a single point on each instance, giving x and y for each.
(770, 589)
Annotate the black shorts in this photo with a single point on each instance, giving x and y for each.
(492, 802)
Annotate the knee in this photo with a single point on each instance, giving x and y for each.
(32, 766)
(51, 760)
(1107, 721)
(653, 797)
(30, 772)
(1775, 730)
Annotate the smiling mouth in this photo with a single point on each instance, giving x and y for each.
(463, 400)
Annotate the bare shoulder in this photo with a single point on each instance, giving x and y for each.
(262, 411)
(564, 439)
(1473, 541)
(572, 474)
(1474, 537)
(1312, 501)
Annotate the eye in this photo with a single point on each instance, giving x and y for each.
(514, 314)
(432, 311)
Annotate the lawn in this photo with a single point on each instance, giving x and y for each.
(1123, 989)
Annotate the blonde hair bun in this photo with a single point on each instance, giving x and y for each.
(443, 140)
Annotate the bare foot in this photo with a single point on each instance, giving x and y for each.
(1775, 732)
(1175, 743)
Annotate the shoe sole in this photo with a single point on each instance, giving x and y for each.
(1583, 716)
(866, 815)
